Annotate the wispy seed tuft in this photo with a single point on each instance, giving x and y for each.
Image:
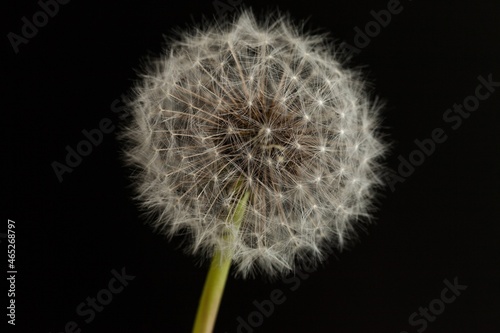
(262, 105)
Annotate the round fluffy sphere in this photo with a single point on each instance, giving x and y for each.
(255, 107)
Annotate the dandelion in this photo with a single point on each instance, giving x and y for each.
(253, 140)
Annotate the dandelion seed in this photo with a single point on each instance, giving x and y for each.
(236, 123)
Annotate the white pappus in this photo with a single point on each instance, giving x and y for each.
(255, 106)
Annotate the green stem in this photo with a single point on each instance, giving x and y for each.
(216, 279)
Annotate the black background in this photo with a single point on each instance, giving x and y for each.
(441, 223)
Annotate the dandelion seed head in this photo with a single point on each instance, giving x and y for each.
(272, 109)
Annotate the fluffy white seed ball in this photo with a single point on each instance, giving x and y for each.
(262, 105)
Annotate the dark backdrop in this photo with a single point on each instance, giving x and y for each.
(437, 223)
